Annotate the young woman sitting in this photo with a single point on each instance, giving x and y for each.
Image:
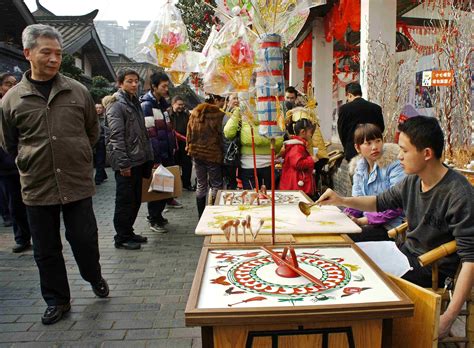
(375, 170)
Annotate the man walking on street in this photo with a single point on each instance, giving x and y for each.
(100, 153)
(49, 123)
(356, 111)
(179, 121)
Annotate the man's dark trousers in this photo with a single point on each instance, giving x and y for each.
(81, 233)
(99, 160)
(155, 208)
(128, 199)
(186, 163)
(17, 209)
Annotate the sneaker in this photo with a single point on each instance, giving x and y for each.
(53, 314)
(174, 204)
(157, 228)
(101, 289)
(160, 221)
(139, 239)
(19, 248)
(130, 245)
(190, 188)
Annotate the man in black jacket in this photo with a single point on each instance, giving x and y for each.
(10, 182)
(179, 121)
(130, 155)
(356, 111)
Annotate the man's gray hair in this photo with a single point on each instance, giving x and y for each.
(32, 32)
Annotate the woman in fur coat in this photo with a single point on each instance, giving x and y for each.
(204, 146)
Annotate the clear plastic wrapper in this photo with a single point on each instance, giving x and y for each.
(186, 63)
(282, 17)
(231, 59)
(165, 38)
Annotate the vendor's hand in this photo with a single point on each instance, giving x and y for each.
(156, 165)
(315, 158)
(445, 323)
(329, 197)
(360, 221)
(126, 172)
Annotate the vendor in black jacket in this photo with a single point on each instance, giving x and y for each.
(356, 111)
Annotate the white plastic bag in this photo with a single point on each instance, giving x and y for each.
(162, 181)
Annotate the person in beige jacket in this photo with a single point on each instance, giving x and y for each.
(49, 124)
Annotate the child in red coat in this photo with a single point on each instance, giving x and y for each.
(298, 164)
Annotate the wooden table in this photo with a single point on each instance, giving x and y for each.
(239, 301)
(282, 197)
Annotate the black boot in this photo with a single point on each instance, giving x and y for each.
(201, 204)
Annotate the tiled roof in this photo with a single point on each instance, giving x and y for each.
(79, 34)
(14, 17)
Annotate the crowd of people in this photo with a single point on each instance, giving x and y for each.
(50, 126)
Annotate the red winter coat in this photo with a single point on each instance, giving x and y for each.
(297, 166)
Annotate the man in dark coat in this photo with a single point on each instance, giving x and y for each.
(49, 123)
(10, 182)
(130, 156)
(356, 111)
(179, 121)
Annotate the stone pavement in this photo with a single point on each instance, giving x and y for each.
(148, 288)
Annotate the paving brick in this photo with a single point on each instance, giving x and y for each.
(149, 287)
(93, 325)
(18, 336)
(62, 325)
(10, 318)
(102, 335)
(185, 332)
(170, 343)
(59, 336)
(147, 334)
(126, 344)
(35, 345)
(15, 327)
(133, 324)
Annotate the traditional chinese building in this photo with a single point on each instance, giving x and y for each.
(80, 40)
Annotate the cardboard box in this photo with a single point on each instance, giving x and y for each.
(158, 196)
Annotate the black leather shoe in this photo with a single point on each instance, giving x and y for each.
(130, 245)
(101, 289)
(139, 239)
(53, 314)
(19, 248)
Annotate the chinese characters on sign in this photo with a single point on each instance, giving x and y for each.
(438, 78)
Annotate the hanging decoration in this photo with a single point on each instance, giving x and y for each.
(231, 59)
(165, 38)
(408, 31)
(304, 51)
(344, 14)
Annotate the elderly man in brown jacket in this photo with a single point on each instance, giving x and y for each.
(49, 123)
